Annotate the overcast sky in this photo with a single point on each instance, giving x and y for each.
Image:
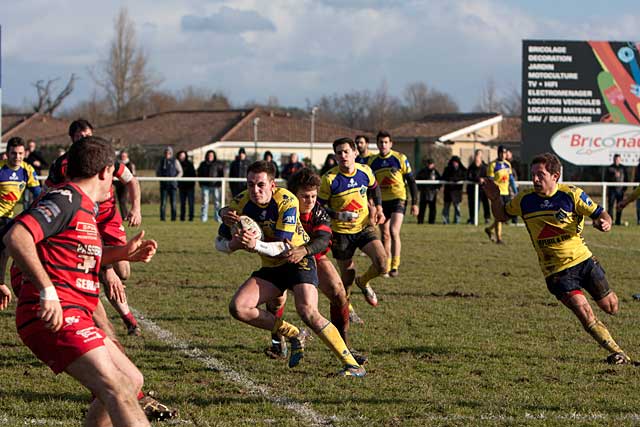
(298, 50)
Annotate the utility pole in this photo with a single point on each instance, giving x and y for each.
(314, 111)
(255, 137)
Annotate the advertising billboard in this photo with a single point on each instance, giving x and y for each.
(581, 100)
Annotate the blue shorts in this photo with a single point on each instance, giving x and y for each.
(394, 206)
(288, 275)
(343, 245)
(588, 275)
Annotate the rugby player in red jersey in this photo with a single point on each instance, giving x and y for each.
(110, 228)
(56, 244)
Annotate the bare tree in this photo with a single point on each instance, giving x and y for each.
(420, 101)
(124, 74)
(385, 108)
(489, 98)
(507, 103)
(47, 103)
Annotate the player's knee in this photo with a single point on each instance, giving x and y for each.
(307, 312)
(609, 304)
(234, 310)
(380, 263)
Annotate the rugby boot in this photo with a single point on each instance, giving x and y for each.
(619, 358)
(367, 291)
(297, 348)
(278, 350)
(353, 317)
(352, 371)
(156, 411)
(360, 358)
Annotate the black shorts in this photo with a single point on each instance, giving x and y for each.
(287, 275)
(394, 206)
(343, 246)
(588, 275)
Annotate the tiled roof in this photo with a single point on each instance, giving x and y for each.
(433, 126)
(510, 129)
(9, 121)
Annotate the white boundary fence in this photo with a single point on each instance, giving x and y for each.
(224, 181)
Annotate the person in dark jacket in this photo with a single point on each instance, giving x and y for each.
(168, 167)
(329, 163)
(268, 156)
(210, 168)
(477, 173)
(428, 192)
(454, 172)
(292, 167)
(238, 169)
(187, 189)
(616, 172)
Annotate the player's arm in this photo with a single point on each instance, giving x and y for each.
(633, 196)
(136, 250)
(376, 216)
(602, 222)
(125, 176)
(21, 247)
(413, 192)
(5, 292)
(497, 206)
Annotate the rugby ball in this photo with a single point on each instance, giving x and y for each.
(247, 224)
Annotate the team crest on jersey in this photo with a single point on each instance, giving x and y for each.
(22, 185)
(363, 190)
(352, 183)
(14, 177)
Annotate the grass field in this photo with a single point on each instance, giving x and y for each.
(467, 335)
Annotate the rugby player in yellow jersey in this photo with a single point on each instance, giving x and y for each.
(554, 215)
(344, 192)
(276, 211)
(392, 169)
(16, 175)
(499, 172)
(362, 144)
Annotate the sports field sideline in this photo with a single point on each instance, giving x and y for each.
(467, 335)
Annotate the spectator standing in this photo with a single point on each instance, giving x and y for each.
(616, 172)
(168, 167)
(268, 157)
(329, 163)
(186, 189)
(477, 173)
(428, 192)
(210, 168)
(122, 192)
(292, 167)
(238, 169)
(454, 172)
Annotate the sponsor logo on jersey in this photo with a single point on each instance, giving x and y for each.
(546, 204)
(87, 228)
(89, 334)
(289, 216)
(14, 177)
(89, 249)
(586, 199)
(9, 197)
(352, 183)
(87, 284)
(48, 209)
(352, 206)
(387, 182)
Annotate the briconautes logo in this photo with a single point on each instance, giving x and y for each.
(596, 143)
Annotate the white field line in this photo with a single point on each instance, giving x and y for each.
(300, 409)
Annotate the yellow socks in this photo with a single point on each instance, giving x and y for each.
(601, 334)
(370, 274)
(395, 262)
(331, 337)
(285, 329)
(498, 230)
(389, 260)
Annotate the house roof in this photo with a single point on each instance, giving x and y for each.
(434, 126)
(510, 130)
(9, 121)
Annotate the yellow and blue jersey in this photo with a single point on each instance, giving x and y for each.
(342, 192)
(13, 182)
(555, 225)
(500, 172)
(390, 172)
(279, 220)
(363, 160)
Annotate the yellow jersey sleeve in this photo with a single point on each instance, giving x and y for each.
(513, 208)
(585, 206)
(31, 172)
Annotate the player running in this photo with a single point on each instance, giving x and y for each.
(554, 215)
(16, 175)
(55, 243)
(392, 169)
(344, 192)
(110, 228)
(276, 211)
(316, 222)
(500, 173)
(362, 144)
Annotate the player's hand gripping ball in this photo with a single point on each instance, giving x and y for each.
(247, 224)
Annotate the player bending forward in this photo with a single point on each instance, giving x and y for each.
(275, 210)
(554, 214)
(316, 222)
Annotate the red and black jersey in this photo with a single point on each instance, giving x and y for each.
(317, 224)
(69, 246)
(58, 175)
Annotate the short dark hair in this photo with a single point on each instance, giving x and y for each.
(383, 134)
(304, 178)
(346, 140)
(263, 166)
(215, 157)
(79, 125)
(549, 160)
(88, 156)
(16, 141)
(365, 137)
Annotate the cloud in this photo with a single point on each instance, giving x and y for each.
(363, 4)
(228, 20)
